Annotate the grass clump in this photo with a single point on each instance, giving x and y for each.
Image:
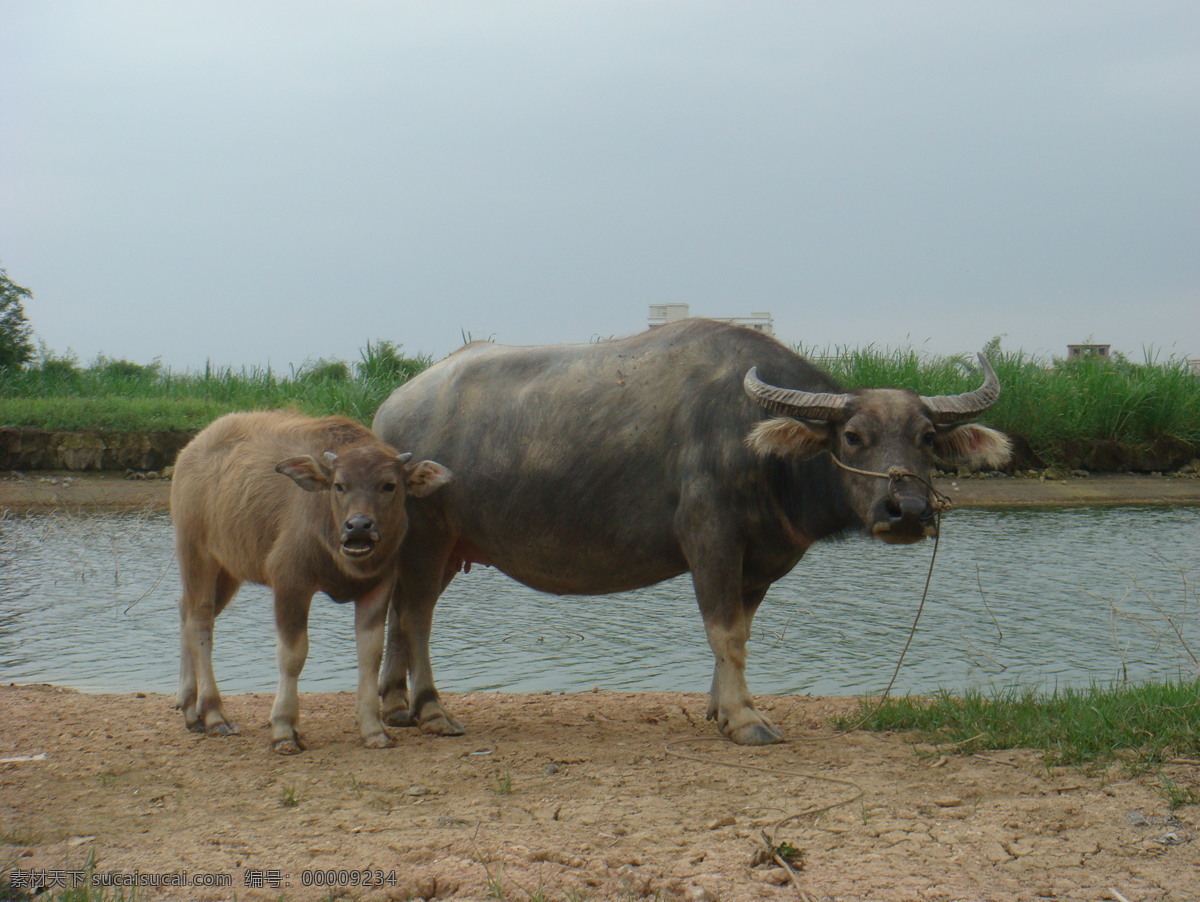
(504, 783)
(1145, 725)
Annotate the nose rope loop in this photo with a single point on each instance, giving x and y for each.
(895, 475)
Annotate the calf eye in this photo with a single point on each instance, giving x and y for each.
(389, 487)
(852, 438)
(339, 488)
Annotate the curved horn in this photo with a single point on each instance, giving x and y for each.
(790, 402)
(956, 408)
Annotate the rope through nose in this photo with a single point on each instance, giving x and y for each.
(940, 502)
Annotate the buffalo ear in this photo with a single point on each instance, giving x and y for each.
(974, 446)
(788, 437)
(426, 477)
(307, 472)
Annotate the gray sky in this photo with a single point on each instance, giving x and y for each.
(260, 182)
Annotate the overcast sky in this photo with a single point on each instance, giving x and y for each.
(259, 182)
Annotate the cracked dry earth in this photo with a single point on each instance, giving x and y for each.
(596, 796)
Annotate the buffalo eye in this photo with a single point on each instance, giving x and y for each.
(928, 439)
(852, 438)
(389, 486)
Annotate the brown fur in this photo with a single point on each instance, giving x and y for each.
(262, 497)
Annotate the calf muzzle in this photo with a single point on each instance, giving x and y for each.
(359, 536)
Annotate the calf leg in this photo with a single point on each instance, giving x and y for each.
(291, 651)
(370, 615)
(207, 589)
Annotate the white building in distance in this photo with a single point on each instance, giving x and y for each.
(661, 314)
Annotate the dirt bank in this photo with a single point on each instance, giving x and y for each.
(76, 491)
(567, 797)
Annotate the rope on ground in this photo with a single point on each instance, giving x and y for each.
(769, 831)
(859, 792)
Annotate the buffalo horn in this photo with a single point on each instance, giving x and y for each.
(790, 402)
(956, 408)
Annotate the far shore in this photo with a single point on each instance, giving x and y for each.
(43, 491)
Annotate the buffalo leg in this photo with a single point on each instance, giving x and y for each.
(370, 615)
(728, 611)
(207, 589)
(291, 651)
(409, 694)
(393, 680)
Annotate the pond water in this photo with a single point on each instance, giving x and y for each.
(1019, 598)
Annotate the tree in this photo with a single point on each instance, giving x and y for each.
(16, 342)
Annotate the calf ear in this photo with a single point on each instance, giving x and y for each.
(974, 446)
(786, 437)
(307, 472)
(425, 478)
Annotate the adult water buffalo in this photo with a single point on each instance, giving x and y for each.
(606, 467)
(300, 505)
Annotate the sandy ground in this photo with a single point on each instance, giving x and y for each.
(595, 796)
(567, 797)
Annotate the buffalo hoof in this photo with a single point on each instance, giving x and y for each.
(196, 726)
(380, 740)
(222, 728)
(756, 734)
(442, 725)
(401, 717)
(292, 746)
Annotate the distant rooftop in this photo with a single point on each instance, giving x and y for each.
(661, 314)
(1074, 352)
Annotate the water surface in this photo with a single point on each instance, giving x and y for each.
(1019, 597)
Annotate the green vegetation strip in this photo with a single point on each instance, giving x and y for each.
(1143, 725)
(117, 395)
(1046, 402)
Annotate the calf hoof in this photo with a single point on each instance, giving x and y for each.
(401, 717)
(759, 733)
(442, 724)
(222, 728)
(380, 740)
(291, 746)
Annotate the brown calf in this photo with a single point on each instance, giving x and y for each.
(300, 505)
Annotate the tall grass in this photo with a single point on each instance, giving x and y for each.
(1045, 401)
(58, 393)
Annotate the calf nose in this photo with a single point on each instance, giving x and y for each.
(359, 526)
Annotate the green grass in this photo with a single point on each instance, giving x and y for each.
(1044, 401)
(288, 797)
(1143, 725)
(504, 783)
(118, 395)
